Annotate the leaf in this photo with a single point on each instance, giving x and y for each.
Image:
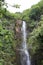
(1, 45)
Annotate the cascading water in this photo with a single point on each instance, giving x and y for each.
(24, 53)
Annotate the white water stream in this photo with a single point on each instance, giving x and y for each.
(25, 60)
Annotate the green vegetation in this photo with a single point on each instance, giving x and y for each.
(34, 20)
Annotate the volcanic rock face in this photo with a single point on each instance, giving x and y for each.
(18, 29)
(18, 35)
(18, 26)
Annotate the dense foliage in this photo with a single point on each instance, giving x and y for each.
(34, 20)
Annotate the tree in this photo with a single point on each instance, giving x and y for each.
(35, 13)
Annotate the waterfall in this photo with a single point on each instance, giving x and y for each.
(25, 60)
